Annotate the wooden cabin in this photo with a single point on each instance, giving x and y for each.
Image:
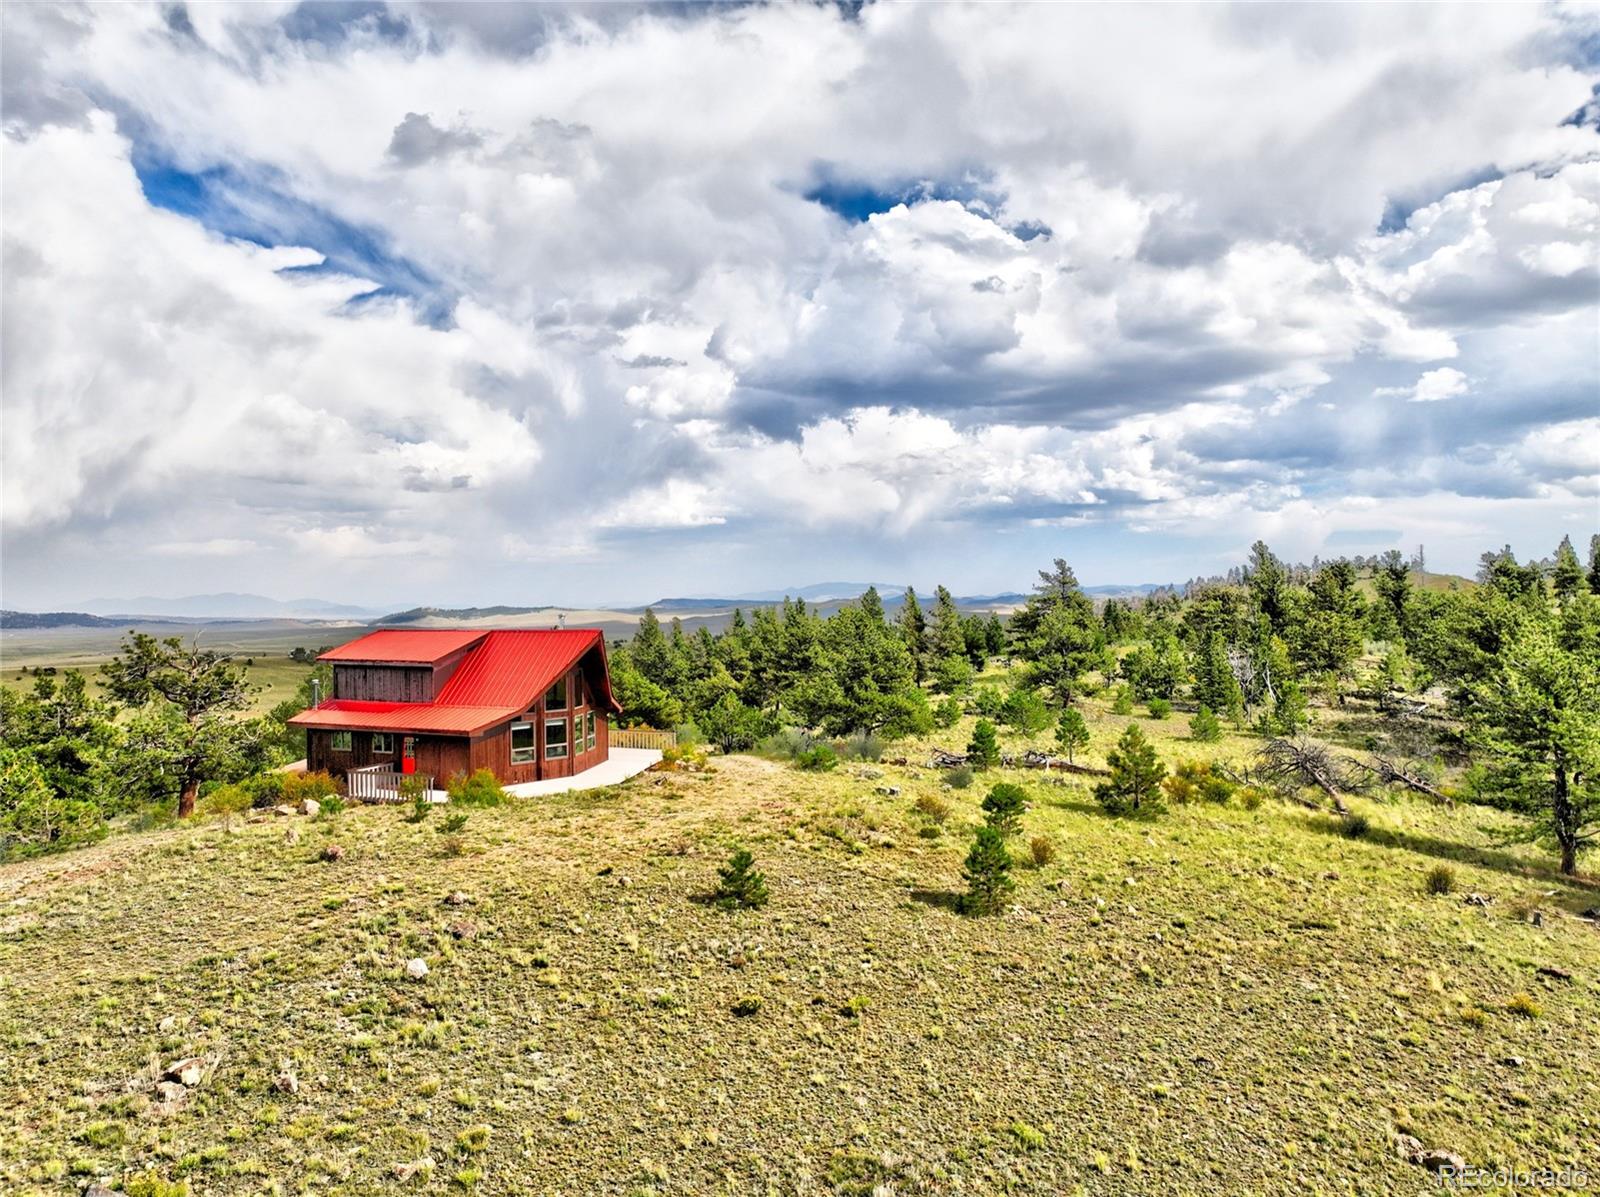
(526, 705)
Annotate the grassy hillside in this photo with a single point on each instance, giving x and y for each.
(1219, 1000)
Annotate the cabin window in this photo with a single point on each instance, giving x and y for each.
(382, 743)
(522, 746)
(588, 732)
(555, 738)
(340, 742)
(555, 698)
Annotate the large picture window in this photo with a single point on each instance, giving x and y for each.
(555, 739)
(588, 732)
(555, 698)
(382, 743)
(522, 746)
(340, 742)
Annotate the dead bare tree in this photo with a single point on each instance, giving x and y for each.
(1303, 761)
(1393, 772)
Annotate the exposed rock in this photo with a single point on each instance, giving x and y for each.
(1592, 914)
(170, 1092)
(1407, 1147)
(1435, 1159)
(96, 1189)
(286, 1081)
(1477, 899)
(333, 852)
(1513, 1061)
(310, 806)
(291, 834)
(416, 968)
(189, 1071)
(891, 791)
(407, 1171)
(463, 929)
(168, 1024)
(458, 899)
(1558, 974)
(283, 810)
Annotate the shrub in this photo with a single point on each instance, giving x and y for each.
(861, 746)
(1160, 708)
(1004, 806)
(317, 786)
(1251, 797)
(987, 701)
(732, 726)
(933, 807)
(1441, 879)
(1205, 727)
(454, 823)
(958, 778)
(1523, 1006)
(1025, 711)
(1356, 826)
(947, 714)
(1042, 849)
(1122, 703)
(683, 758)
(1136, 772)
(817, 759)
(1072, 733)
(741, 886)
(226, 800)
(1196, 781)
(329, 806)
(988, 874)
(983, 751)
(267, 789)
(480, 789)
(785, 744)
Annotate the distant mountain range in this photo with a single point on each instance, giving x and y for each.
(229, 606)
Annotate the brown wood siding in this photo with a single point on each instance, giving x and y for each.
(384, 683)
(439, 756)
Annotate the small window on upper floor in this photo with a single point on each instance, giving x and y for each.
(555, 698)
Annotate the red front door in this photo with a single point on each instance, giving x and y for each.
(408, 754)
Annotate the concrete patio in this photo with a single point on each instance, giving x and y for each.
(620, 764)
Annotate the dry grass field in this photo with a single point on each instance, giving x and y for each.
(1219, 1000)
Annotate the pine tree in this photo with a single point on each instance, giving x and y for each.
(914, 628)
(1215, 685)
(1136, 773)
(1072, 733)
(742, 887)
(1004, 806)
(988, 874)
(1567, 577)
(983, 751)
(1269, 585)
(947, 645)
(1594, 564)
(1205, 726)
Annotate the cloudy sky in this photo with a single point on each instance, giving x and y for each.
(484, 303)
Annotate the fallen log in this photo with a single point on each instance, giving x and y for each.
(1390, 772)
(1033, 759)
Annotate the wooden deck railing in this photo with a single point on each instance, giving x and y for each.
(643, 737)
(379, 783)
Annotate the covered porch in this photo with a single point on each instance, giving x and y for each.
(380, 783)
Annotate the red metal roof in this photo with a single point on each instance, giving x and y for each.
(405, 646)
(502, 675)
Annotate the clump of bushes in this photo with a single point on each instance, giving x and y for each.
(819, 758)
(1196, 781)
(988, 701)
(297, 786)
(1441, 880)
(1042, 850)
(988, 874)
(958, 778)
(683, 758)
(947, 714)
(1134, 786)
(1122, 704)
(479, 789)
(740, 886)
(1356, 826)
(1025, 711)
(861, 746)
(932, 806)
(1160, 708)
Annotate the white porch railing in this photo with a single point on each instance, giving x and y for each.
(380, 783)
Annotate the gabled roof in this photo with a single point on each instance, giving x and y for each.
(501, 676)
(405, 646)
